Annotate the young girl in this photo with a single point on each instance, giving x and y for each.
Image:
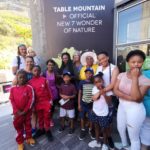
(22, 97)
(130, 87)
(100, 111)
(42, 102)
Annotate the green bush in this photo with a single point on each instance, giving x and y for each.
(14, 30)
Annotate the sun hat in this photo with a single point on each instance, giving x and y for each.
(87, 54)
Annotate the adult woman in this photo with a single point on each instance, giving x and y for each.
(29, 63)
(19, 61)
(51, 76)
(110, 73)
(67, 64)
(131, 87)
(76, 66)
(88, 60)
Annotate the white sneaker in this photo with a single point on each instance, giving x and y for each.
(104, 147)
(94, 144)
(125, 148)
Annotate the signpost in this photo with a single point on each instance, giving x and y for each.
(83, 24)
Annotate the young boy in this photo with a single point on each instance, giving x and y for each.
(67, 93)
(22, 97)
(85, 102)
(42, 102)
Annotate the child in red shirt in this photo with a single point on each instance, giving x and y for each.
(43, 99)
(22, 98)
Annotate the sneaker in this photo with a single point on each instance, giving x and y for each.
(49, 135)
(111, 143)
(71, 131)
(82, 134)
(125, 148)
(33, 131)
(61, 129)
(105, 147)
(20, 146)
(92, 134)
(94, 144)
(39, 133)
(30, 141)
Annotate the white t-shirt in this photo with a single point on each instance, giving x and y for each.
(100, 106)
(15, 62)
(106, 76)
(36, 60)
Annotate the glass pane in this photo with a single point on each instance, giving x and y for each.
(123, 51)
(134, 24)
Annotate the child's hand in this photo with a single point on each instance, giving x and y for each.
(18, 113)
(22, 113)
(96, 96)
(51, 102)
(66, 97)
(102, 92)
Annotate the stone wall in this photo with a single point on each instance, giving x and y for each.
(38, 29)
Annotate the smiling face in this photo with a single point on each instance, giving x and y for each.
(65, 59)
(29, 63)
(22, 51)
(76, 58)
(135, 62)
(50, 66)
(98, 82)
(103, 60)
(89, 61)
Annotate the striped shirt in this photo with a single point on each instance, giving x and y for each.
(86, 88)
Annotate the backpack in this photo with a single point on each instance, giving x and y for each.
(18, 62)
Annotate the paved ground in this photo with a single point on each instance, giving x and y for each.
(62, 141)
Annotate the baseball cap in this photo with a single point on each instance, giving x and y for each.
(67, 73)
(89, 69)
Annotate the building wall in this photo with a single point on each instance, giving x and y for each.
(38, 30)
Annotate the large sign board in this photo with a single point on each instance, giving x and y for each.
(83, 24)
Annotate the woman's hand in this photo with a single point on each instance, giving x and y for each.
(135, 73)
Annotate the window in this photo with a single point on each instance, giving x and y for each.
(123, 51)
(134, 24)
(133, 31)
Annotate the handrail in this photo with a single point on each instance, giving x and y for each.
(5, 82)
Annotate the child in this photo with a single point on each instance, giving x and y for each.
(22, 97)
(42, 102)
(67, 93)
(32, 53)
(85, 102)
(100, 111)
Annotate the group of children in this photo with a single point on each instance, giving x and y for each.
(35, 96)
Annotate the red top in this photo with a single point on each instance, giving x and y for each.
(43, 95)
(22, 98)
